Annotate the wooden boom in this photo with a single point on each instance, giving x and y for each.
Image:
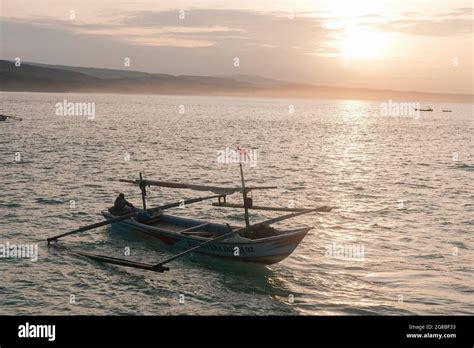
(256, 207)
(179, 185)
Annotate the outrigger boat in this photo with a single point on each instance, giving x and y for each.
(258, 242)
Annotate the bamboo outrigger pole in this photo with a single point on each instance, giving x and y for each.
(257, 207)
(244, 194)
(143, 189)
(90, 227)
(117, 261)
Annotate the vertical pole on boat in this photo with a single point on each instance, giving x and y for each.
(143, 188)
(244, 193)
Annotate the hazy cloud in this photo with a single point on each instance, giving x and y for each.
(446, 27)
(459, 12)
(256, 28)
(204, 27)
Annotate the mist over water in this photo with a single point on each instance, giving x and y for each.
(401, 187)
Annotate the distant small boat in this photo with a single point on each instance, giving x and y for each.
(6, 117)
(429, 109)
(447, 110)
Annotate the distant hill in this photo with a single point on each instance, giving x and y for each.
(36, 77)
(107, 74)
(48, 78)
(110, 74)
(257, 80)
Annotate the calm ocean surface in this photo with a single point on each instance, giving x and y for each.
(402, 188)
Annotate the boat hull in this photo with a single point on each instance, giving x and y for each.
(267, 250)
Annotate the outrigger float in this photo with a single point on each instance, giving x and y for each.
(257, 242)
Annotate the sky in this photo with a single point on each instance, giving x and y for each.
(416, 45)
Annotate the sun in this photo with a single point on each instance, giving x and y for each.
(362, 43)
